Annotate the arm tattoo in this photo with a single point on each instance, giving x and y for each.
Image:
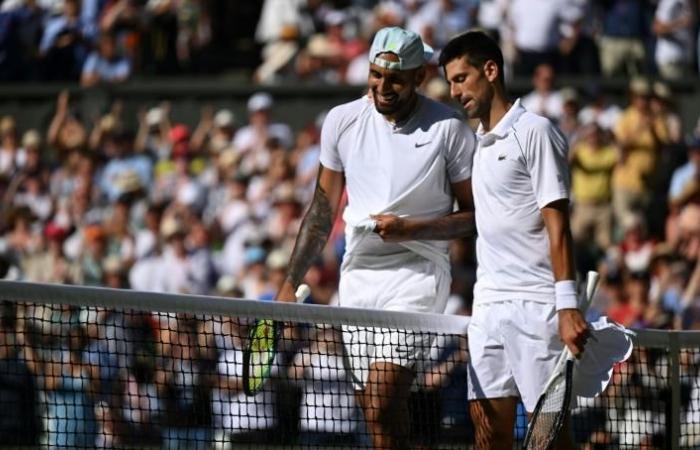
(313, 235)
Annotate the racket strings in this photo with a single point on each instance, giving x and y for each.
(550, 413)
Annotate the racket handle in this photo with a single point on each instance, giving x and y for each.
(591, 284)
(302, 292)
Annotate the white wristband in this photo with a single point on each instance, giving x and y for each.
(565, 294)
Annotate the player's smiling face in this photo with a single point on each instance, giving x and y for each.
(470, 86)
(393, 91)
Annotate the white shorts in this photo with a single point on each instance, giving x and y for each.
(513, 348)
(418, 285)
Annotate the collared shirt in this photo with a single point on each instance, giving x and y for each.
(520, 167)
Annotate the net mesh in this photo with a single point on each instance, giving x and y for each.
(79, 376)
(94, 368)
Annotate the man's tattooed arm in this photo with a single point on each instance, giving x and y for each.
(459, 224)
(317, 224)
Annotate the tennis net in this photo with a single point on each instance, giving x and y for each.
(100, 368)
(84, 367)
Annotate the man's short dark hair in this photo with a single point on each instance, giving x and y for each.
(477, 47)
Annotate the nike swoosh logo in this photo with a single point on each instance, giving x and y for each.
(423, 144)
(501, 157)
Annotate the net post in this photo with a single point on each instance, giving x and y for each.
(675, 380)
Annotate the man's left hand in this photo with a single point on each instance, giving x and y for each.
(573, 330)
(391, 228)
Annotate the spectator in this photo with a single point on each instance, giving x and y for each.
(685, 186)
(21, 238)
(124, 171)
(70, 411)
(214, 132)
(673, 27)
(94, 251)
(66, 132)
(637, 246)
(63, 46)
(33, 163)
(592, 163)
(185, 381)
(51, 265)
(11, 155)
(328, 414)
(544, 100)
(641, 137)
(662, 106)
(621, 43)
(153, 134)
(569, 121)
(19, 416)
(536, 36)
(105, 65)
(31, 191)
(254, 136)
(579, 52)
(438, 21)
(599, 109)
(11, 58)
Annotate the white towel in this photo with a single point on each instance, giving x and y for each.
(610, 344)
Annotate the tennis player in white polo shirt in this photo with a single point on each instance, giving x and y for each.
(404, 159)
(525, 303)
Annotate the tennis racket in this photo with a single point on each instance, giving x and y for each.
(261, 349)
(553, 405)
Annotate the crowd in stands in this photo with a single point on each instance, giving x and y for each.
(108, 41)
(214, 207)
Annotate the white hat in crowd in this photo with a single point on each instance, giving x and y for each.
(224, 118)
(259, 102)
(154, 116)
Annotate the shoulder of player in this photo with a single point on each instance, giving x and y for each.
(439, 111)
(445, 117)
(534, 126)
(344, 115)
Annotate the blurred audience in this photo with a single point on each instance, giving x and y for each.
(315, 41)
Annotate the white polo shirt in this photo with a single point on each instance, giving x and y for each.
(520, 166)
(403, 169)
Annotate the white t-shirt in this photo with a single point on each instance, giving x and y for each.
(520, 166)
(403, 169)
(674, 47)
(536, 23)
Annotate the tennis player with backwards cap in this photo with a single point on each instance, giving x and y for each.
(404, 159)
(525, 303)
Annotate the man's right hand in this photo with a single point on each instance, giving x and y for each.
(573, 330)
(287, 293)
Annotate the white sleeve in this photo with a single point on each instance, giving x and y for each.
(461, 144)
(546, 155)
(330, 156)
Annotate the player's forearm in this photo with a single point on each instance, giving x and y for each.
(556, 219)
(457, 225)
(313, 235)
(560, 249)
